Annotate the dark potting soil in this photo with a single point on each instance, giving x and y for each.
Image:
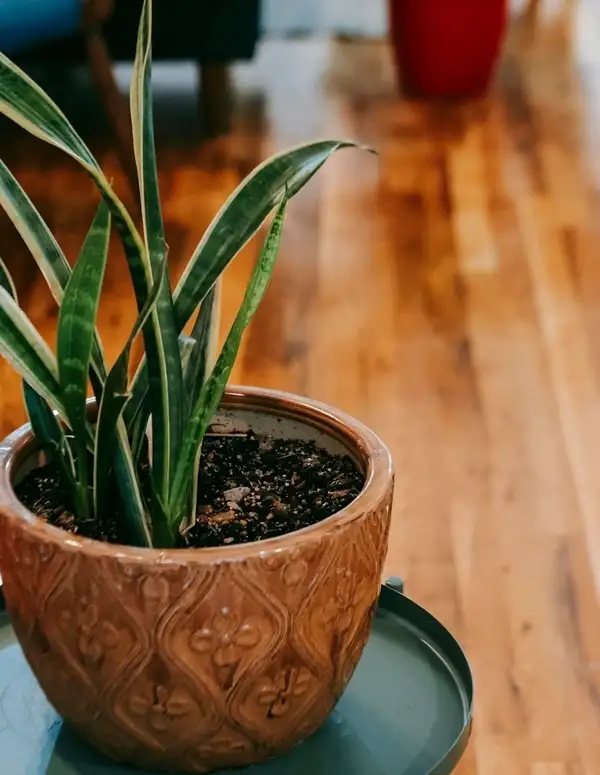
(249, 488)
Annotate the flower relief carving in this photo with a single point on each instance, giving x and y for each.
(341, 607)
(160, 707)
(292, 565)
(227, 637)
(277, 695)
(95, 636)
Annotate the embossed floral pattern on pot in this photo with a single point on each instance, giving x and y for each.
(341, 607)
(227, 638)
(160, 706)
(94, 637)
(293, 566)
(275, 695)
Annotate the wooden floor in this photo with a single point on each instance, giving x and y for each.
(448, 294)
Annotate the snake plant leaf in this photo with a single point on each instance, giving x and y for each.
(197, 369)
(198, 356)
(111, 407)
(57, 272)
(164, 535)
(167, 417)
(35, 233)
(48, 430)
(284, 174)
(7, 282)
(143, 139)
(27, 105)
(45, 250)
(139, 429)
(187, 345)
(202, 358)
(212, 392)
(76, 325)
(44, 422)
(26, 351)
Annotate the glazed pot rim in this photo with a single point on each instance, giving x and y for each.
(353, 434)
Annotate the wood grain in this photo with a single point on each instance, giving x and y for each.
(448, 294)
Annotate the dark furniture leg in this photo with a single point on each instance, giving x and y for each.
(215, 98)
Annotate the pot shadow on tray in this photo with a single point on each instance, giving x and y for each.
(334, 746)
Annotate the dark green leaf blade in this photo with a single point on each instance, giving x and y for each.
(43, 247)
(22, 100)
(34, 232)
(143, 139)
(111, 407)
(26, 351)
(284, 174)
(212, 391)
(241, 216)
(201, 359)
(44, 422)
(76, 325)
(27, 105)
(48, 430)
(165, 370)
(138, 422)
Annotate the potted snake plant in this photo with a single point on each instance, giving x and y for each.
(447, 48)
(190, 569)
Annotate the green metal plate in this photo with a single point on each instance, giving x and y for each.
(407, 710)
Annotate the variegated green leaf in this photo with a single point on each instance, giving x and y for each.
(57, 272)
(243, 214)
(164, 535)
(111, 406)
(284, 174)
(7, 282)
(197, 369)
(205, 335)
(44, 422)
(27, 352)
(35, 233)
(167, 393)
(23, 101)
(49, 432)
(29, 107)
(187, 345)
(76, 326)
(139, 423)
(44, 249)
(143, 139)
(211, 394)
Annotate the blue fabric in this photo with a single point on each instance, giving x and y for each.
(25, 23)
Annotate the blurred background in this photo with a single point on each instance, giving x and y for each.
(446, 292)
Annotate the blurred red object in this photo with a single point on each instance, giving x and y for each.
(447, 48)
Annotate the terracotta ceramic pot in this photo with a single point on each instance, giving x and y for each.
(447, 48)
(192, 660)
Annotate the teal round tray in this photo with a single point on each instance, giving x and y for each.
(407, 710)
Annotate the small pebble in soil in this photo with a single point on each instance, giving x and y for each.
(250, 488)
